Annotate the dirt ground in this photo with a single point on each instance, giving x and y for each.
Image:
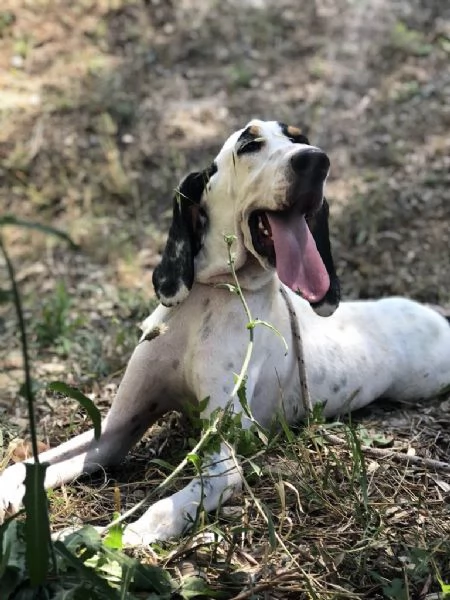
(106, 104)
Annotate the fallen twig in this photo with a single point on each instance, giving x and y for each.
(399, 457)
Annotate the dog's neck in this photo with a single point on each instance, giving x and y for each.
(251, 276)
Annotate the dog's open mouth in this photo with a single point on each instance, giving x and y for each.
(285, 240)
(262, 236)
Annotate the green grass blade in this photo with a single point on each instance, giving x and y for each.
(270, 527)
(127, 579)
(12, 220)
(37, 526)
(86, 403)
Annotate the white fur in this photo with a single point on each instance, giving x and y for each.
(392, 347)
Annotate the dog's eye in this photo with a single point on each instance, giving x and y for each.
(299, 139)
(250, 146)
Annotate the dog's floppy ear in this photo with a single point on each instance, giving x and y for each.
(318, 224)
(174, 276)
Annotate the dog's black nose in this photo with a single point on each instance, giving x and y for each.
(310, 161)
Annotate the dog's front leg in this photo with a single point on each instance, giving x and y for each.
(139, 402)
(171, 516)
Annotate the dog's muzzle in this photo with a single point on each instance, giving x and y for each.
(283, 237)
(311, 163)
(308, 171)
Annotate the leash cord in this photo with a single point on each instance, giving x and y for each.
(299, 353)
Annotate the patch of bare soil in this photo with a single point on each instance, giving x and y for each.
(104, 105)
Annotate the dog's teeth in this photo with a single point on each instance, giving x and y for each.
(262, 228)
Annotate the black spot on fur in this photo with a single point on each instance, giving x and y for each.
(175, 364)
(205, 333)
(207, 318)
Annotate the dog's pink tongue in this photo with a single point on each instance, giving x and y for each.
(299, 264)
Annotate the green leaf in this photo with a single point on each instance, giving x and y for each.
(86, 536)
(285, 426)
(85, 572)
(37, 525)
(12, 547)
(373, 438)
(163, 464)
(445, 587)
(12, 220)
(242, 396)
(195, 460)
(202, 405)
(114, 537)
(154, 579)
(256, 468)
(147, 578)
(396, 590)
(193, 587)
(275, 330)
(270, 527)
(86, 403)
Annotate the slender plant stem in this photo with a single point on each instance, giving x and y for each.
(28, 388)
(205, 437)
(250, 325)
(215, 424)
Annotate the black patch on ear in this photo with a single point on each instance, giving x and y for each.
(294, 134)
(318, 225)
(174, 276)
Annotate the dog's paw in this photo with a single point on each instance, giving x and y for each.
(12, 490)
(62, 534)
(160, 522)
(133, 537)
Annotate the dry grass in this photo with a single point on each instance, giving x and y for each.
(342, 523)
(104, 105)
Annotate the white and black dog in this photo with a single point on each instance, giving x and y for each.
(265, 187)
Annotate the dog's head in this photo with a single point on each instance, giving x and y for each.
(266, 187)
